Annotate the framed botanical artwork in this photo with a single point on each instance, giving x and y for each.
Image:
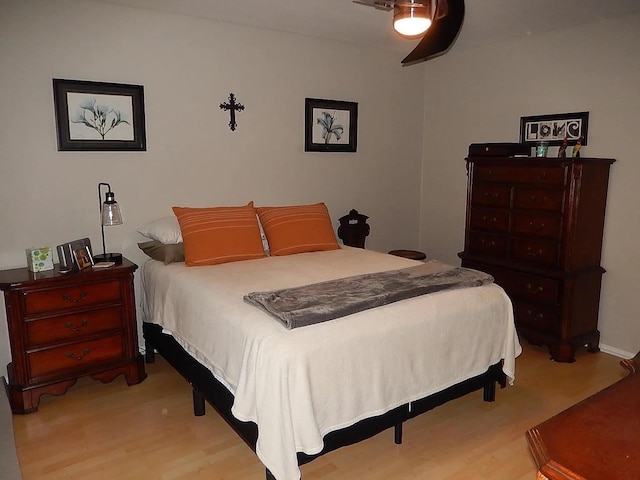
(330, 126)
(99, 115)
(554, 128)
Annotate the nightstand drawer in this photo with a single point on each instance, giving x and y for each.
(40, 301)
(71, 327)
(75, 356)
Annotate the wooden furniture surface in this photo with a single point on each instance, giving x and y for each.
(536, 225)
(597, 439)
(64, 326)
(410, 254)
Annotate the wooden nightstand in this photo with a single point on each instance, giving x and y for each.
(65, 326)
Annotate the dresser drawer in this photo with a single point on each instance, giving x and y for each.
(527, 287)
(532, 198)
(542, 175)
(486, 244)
(75, 356)
(489, 219)
(541, 318)
(71, 327)
(528, 250)
(541, 226)
(64, 298)
(491, 195)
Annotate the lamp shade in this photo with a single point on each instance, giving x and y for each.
(412, 19)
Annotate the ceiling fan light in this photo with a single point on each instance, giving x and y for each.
(411, 21)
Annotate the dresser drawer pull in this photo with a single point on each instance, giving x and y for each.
(486, 219)
(69, 325)
(542, 176)
(532, 316)
(85, 352)
(534, 253)
(533, 290)
(536, 226)
(492, 196)
(537, 200)
(491, 243)
(69, 298)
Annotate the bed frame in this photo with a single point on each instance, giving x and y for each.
(206, 387)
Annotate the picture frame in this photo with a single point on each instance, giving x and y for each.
(553, 128)
(330, 125)
(83, 258)
(99, 116)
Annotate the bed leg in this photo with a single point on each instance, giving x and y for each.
(198, 402)
(397, 433)
(149, 353)
(490, 391)
(269, 475)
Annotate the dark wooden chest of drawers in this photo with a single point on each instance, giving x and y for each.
(536, 225)
(64, 326)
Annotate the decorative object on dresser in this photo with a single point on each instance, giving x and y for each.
(40, 259)
(536, 225)
(353, 229)
(99, 115)
(554, 128)
(109, 215)
(62, 327)
(66, 257)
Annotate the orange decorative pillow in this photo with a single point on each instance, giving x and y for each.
(219, 235)
(298, 229)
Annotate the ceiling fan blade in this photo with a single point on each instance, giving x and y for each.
(439, 38)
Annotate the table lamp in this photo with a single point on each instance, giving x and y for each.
(109, 215)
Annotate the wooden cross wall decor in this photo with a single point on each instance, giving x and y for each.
(232, 107)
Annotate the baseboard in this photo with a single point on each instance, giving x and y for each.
(616, 352)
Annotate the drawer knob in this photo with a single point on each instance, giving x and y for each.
(536, 226)
(532, 316)
(542, 176)
(85, 352)
(537, 200)
(492, 195)
(489, 219)
(71, 299)
(535, 291)
(69, 325)
(533, 253)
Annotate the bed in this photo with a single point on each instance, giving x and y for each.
(295, 394)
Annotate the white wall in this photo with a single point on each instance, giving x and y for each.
(188, 66)
(479, 95)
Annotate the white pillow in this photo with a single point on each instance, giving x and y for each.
(164, 230)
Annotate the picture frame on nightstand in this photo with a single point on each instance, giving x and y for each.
(83, 258)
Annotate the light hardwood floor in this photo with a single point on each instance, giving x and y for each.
(148, 431)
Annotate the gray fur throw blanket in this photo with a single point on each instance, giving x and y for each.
(319, 302)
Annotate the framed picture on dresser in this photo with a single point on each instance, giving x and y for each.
(554, 128)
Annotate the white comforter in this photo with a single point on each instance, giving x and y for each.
(298, 385)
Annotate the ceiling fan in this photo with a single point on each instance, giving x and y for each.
(438, 22)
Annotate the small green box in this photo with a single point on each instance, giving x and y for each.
(40, 259)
